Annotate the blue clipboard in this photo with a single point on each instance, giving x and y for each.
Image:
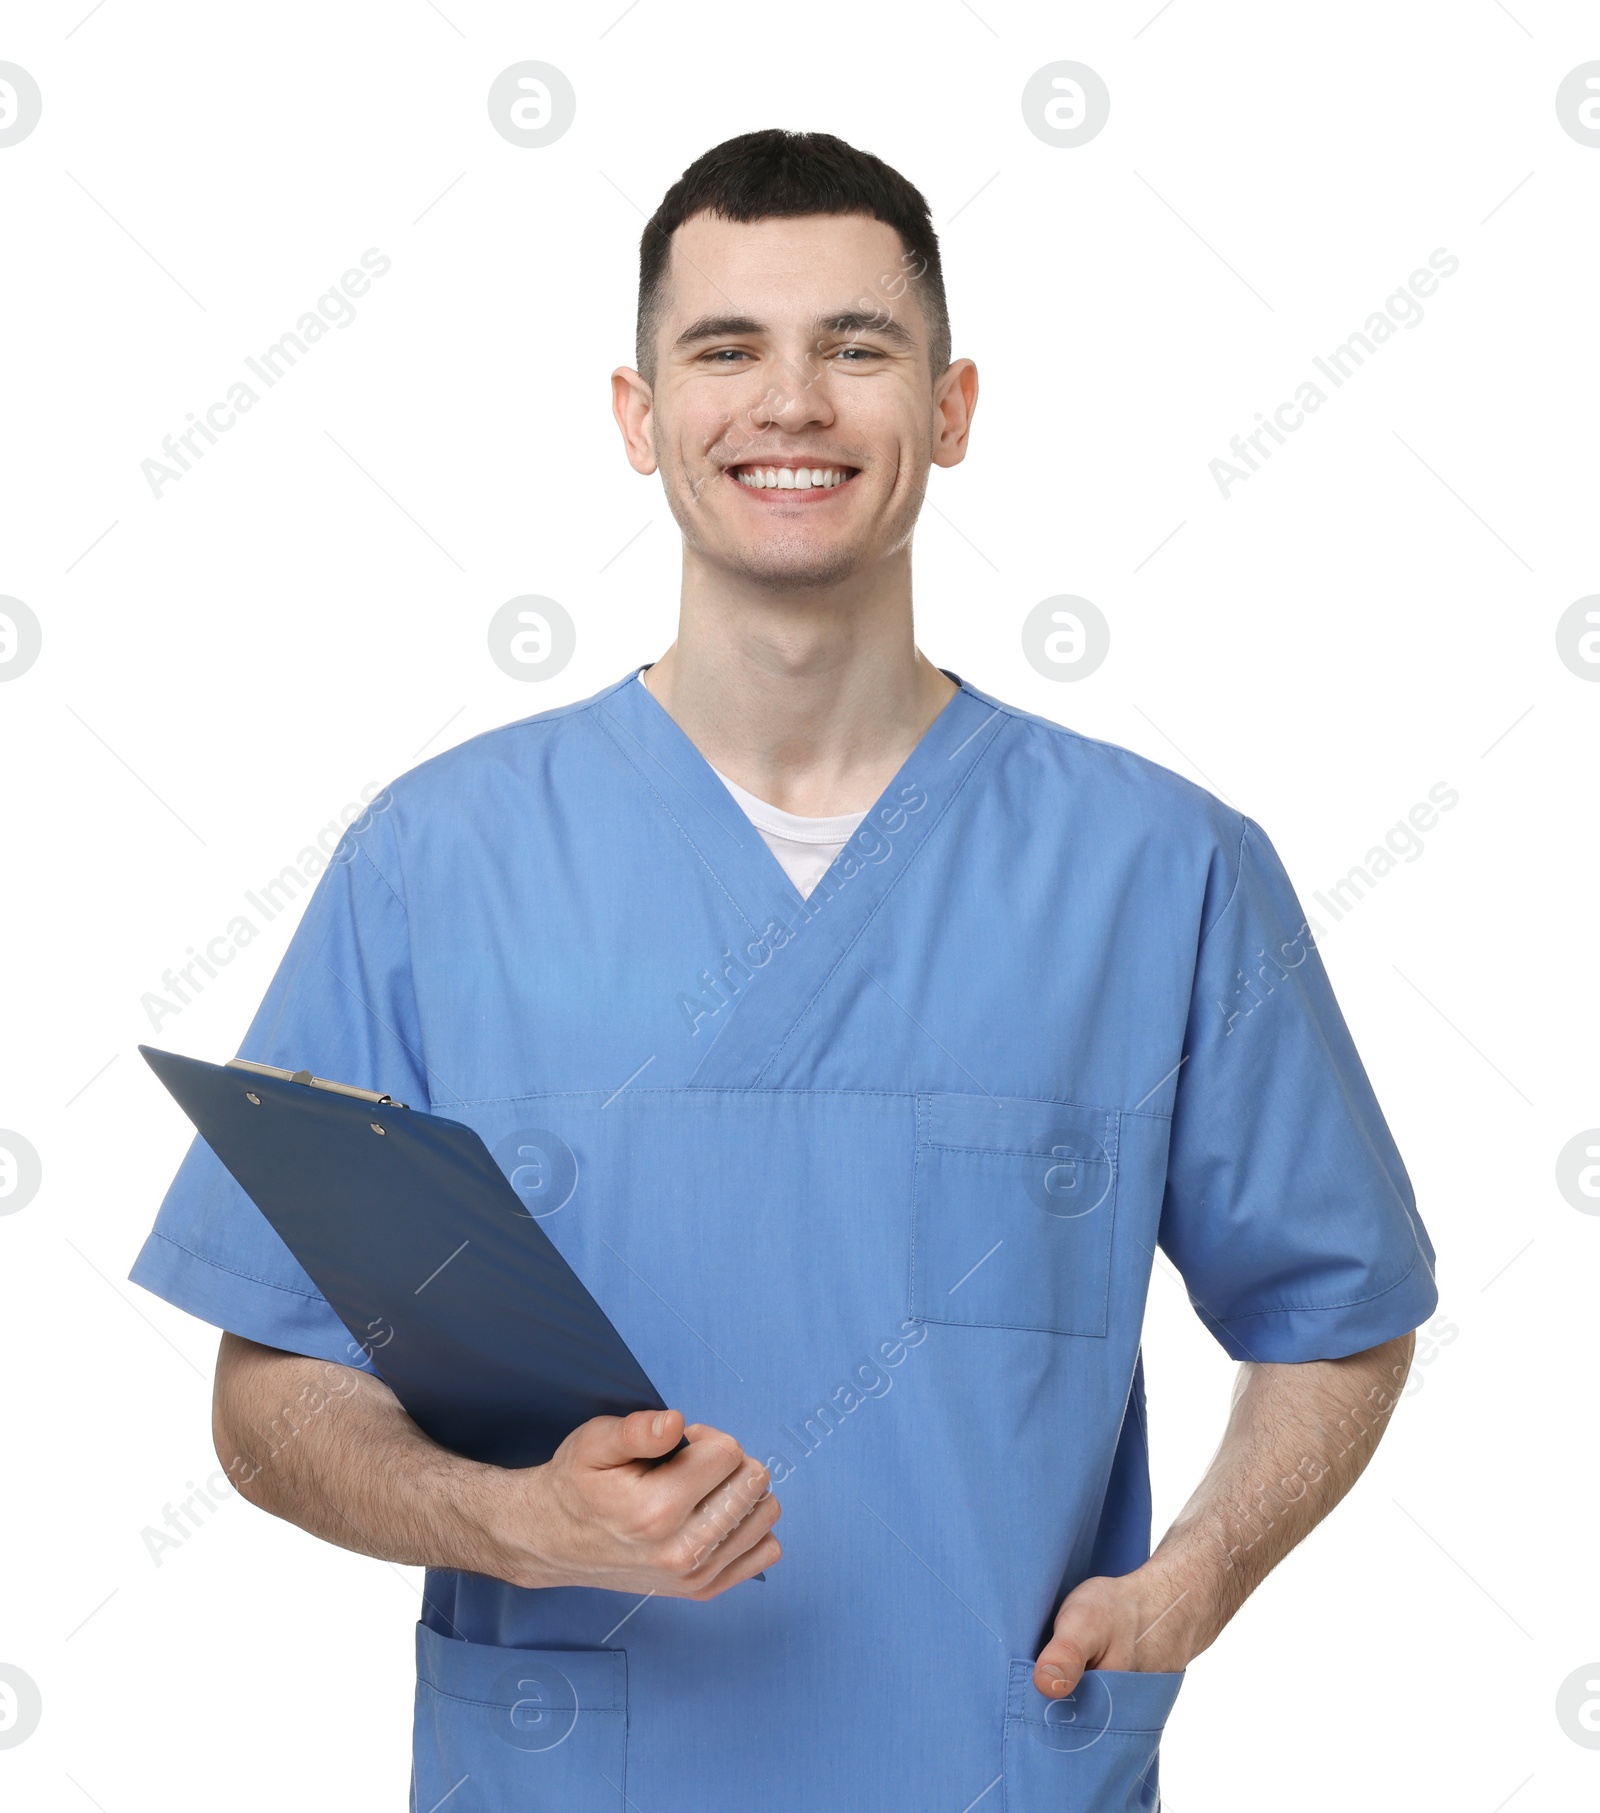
(427, 1255)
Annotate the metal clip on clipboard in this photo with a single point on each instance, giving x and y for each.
(316, 1082)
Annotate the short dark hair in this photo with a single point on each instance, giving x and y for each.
(777, 174)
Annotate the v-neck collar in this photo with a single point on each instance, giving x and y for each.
(713, 819)
(820, 928)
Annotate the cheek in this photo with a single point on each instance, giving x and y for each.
(711, 420)
(898, 426)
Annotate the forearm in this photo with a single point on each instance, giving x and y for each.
(640, 1503)
(1298, 1437)
(330, 1449)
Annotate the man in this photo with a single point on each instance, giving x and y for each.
(885, 1030)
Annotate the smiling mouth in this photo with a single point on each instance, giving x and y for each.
(758, 477)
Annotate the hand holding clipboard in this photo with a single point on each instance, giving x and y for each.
(466, 1308)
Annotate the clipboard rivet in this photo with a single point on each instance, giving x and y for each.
(375, 1127)
(251, 1096)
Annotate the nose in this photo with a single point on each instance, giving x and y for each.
(797, 400)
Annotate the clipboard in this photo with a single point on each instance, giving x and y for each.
(426, 1254)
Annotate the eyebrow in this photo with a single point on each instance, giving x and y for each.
(844, 321)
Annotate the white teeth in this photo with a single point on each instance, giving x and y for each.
(790, 478)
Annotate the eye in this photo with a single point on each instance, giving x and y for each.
(857, 355)
(725, 355)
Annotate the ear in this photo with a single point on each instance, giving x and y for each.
(955, 397)
(633, 404)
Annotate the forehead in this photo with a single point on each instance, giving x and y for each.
(783, 268)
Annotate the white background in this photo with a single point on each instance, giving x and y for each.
(304, 614)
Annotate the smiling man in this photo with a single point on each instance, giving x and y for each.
(888, 1030)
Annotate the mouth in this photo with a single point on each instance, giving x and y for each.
(791, 477)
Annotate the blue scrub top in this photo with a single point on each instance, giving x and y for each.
(872, 1180)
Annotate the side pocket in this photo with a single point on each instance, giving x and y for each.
(544, 1728)
(1095, 1751)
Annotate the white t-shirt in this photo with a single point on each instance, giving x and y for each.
(804, 847)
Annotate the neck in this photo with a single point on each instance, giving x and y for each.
(811, 700)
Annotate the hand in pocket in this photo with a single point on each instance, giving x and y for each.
(1137, 1623)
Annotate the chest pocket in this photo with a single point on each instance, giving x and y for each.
(1012, 1210)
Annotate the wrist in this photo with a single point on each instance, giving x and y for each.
(496, 1510)
(1175, 1615)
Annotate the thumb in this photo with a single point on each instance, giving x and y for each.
(613, 1441)
(1079, 1640)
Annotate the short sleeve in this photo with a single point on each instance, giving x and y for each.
(341, 1005)
(1288, 1210)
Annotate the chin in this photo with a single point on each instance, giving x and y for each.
(788, 568)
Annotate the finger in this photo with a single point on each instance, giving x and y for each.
(721, 1511)
(704, 1432)
(745, 1482)
(731, 1519)
(613, 1441)
(1076, 1645)
(694, 1472)
(754, 1560)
